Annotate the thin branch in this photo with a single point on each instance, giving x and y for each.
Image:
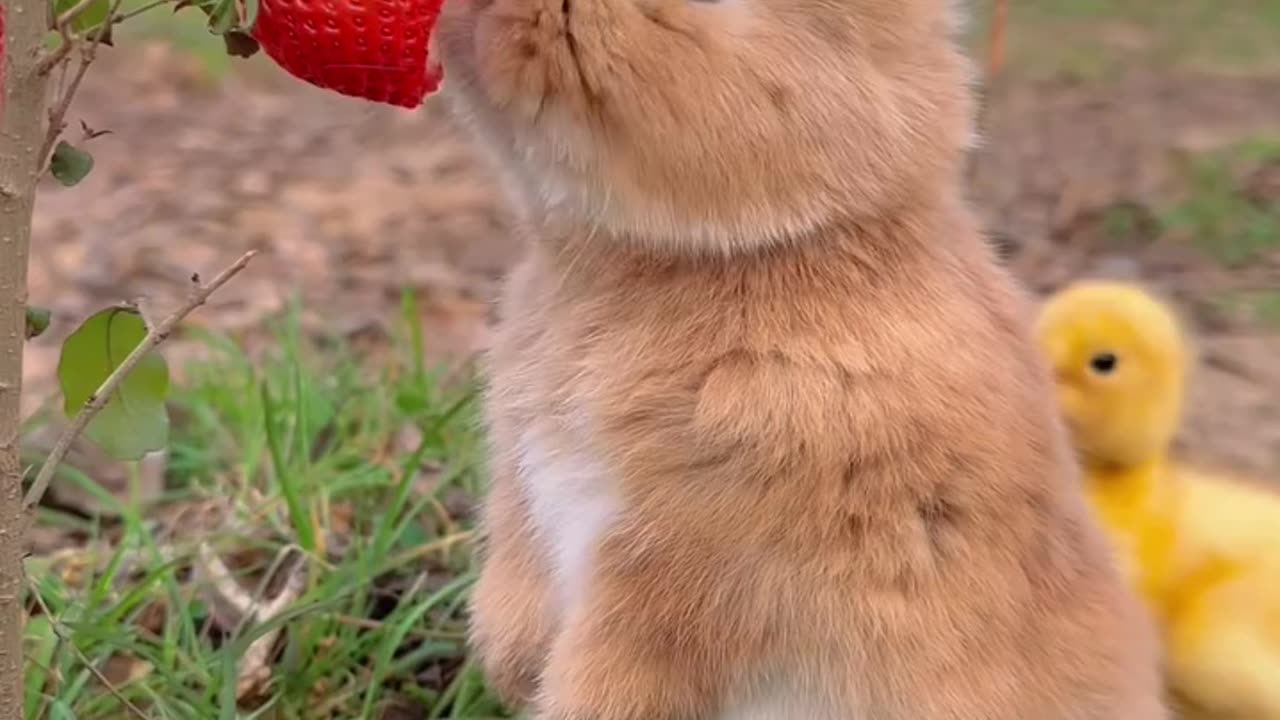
(156, 335)
(60, 630)
(61, 24)
(458, 636)
(138, 11)
(58, 113)
(995, 49)
(995, 64)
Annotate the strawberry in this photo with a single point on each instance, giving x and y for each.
(370, 49)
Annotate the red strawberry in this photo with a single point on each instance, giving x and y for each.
(371, 49)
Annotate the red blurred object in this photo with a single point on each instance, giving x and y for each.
(370, 49)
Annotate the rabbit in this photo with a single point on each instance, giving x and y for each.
(769, 437)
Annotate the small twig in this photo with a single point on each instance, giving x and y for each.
(995, 48)
(145, 309)
(255, 660)
(61, 23)
(58, 113)
(63, 70)
(228, 602)
(443, 544)
(995, 63)
(367, 624)
(138, 11)
(91, 133)
(60, 630)
(156, 335)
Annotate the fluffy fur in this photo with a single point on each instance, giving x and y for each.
(770, 439)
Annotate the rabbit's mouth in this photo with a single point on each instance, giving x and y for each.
(519, 54)
(703, 125)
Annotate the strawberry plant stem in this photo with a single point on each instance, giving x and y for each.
(138, 11)
(22, 115)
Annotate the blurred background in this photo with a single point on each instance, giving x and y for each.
(1124, 138)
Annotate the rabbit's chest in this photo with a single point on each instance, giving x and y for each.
(784, 702)
(572, 499)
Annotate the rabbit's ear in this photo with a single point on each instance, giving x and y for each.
(712, 126)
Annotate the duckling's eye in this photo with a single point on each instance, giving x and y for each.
(1103, 363)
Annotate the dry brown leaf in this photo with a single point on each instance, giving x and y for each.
(255, 665)
(235, 610)
(122, 668)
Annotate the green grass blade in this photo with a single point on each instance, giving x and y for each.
(288, 481)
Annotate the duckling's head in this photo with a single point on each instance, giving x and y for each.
(1119, 360)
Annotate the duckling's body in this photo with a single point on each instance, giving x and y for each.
(1141, 509)
(1203, 549)
(1224, 632)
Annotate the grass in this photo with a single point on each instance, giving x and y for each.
(1126, 226)
(345, 480)
(1224, 222)
(1260, 307)
(1092, 40)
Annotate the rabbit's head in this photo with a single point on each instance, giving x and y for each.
(712, 125)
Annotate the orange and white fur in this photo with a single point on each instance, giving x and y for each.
(770, 439)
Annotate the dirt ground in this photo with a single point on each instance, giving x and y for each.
(350, 204)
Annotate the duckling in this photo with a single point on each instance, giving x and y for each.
(1202, 548)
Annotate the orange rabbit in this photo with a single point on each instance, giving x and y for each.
(770, 438)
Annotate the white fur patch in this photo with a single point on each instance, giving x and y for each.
(782, 703)
(573, 503)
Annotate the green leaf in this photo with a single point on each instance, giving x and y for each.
(70, 164)
(299, 511)
(37, 321)
(94, 15)
(135, 420)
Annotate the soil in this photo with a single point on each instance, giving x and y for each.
(350, 204)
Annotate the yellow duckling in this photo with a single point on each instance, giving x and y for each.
(1202, 549)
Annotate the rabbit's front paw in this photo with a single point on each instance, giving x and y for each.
(511, 621)
(603, 675)
(511, 675)
(511, 633)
